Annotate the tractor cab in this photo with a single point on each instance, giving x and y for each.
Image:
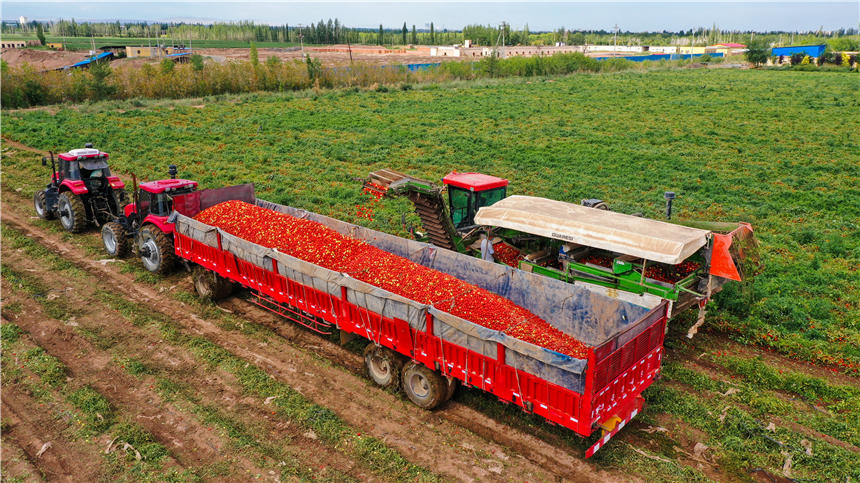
(467, 192)
(156, 200)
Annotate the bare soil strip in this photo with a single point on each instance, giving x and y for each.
(435, 440)
(30, 429)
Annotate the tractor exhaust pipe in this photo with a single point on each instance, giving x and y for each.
(171, 170)
(669, 195)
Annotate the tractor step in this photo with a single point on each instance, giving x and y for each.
(313, 323)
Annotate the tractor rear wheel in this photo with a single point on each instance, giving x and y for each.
(383, 365)
(40, 203)
(424, 386)
(156, 250)
(115, 240)
(210, 285)
(73, 214)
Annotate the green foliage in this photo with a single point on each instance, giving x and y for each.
(97, 412)
(273, 61)
(9, 334)
(150, 450)
(757, 52)
(314, 67)
(842, 44)
(40, 33)
(255, 60)
(47, 367)
(99, 87)
(197, 62)
(167, 66)
(626, 137)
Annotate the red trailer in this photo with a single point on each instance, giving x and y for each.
(601, 392)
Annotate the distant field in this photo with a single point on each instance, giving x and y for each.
(85, 43)
(778, 149)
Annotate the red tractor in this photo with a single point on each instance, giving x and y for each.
(81, 191)
(147, 225)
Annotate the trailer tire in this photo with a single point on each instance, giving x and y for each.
(156, 250)
(423, 386)
(210, 285)
(115, 240)
(40, 203)
(73, 213)
(383, 366)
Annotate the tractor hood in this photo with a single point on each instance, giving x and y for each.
(630, 235)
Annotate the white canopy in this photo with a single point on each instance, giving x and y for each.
(630, 235)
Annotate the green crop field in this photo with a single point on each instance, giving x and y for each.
(778, 149)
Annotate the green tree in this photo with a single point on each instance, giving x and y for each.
(414, 35)
(314, 68)
(40, 33)
(167, 66)
(404, 31)
(254, 59)
(381, 33)
(757, 53)
(273, 61)
(197, 62)
(432, 34)
(100, 88)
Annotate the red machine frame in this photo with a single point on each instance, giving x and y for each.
(617, 371)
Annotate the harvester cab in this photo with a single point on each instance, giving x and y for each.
(82, 190)
(148, 223)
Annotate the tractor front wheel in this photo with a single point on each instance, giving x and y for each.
(40, 203)
(73, 214)
(115, 240)
(156, 250)
(424, 386)
(210, 285)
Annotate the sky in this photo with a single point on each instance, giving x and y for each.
(636, 16)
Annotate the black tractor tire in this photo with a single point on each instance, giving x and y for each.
(423, 386)
(156, 250)
(40, 203)
(115, 240)
(72, 212)
(210, 285)
(383, 366)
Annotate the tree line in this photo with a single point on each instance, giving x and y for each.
(333, 31)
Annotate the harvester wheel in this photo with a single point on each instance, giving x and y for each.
(73, 214)
(424, 386)
(156, 250)
(210, 285)
(115, 240)
(40, 203)
(383, 365)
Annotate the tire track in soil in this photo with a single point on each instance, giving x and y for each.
(215, 388)
(190, 444)
(426, 438)
(29, 429)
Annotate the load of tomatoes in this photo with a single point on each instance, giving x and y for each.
(376, 192)
(596, 259)
(671, 273)
(320, 245)
(507, 254)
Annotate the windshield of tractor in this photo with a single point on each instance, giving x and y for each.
(158, 204)
(464, 203)
(488, 197)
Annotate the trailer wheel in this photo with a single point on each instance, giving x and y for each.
(424, 386)
(73, 214)
(115, 240)
(210, 285)
(156, 250)
(383, 365)
(40, 203)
